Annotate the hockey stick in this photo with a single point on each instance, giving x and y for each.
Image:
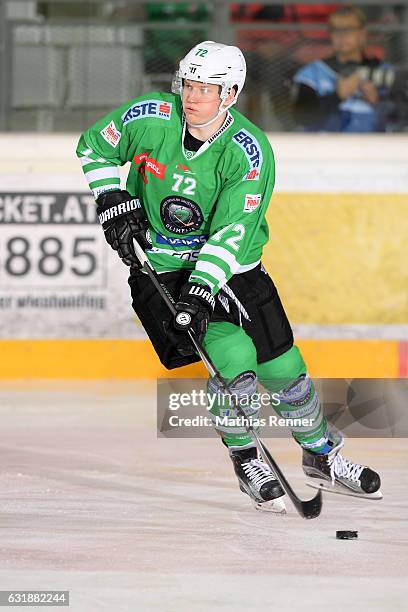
(307, 509)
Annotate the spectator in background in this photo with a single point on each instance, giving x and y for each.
(274, 55)
(347, 92)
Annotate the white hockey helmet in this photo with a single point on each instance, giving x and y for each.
(213, 63)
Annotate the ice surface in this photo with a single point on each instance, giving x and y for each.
(92, 502)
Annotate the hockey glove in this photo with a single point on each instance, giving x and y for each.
(194, 308)
(122, 218)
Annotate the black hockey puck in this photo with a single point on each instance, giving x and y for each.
(346, 535)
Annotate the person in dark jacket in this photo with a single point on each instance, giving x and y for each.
(349, 91)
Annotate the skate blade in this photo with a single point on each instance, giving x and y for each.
(324, 485)
(274, 505)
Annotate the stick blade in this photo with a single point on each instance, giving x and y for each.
(308, 509)
(311, 508)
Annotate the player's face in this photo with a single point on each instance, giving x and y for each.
(200, 101)
(347, 35)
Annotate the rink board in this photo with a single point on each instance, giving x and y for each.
(335, 259)
(339, 258)
(337, 254)
(135, 359)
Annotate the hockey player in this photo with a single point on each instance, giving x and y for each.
(200, 182)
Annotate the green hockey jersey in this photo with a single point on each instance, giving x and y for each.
(205, 209)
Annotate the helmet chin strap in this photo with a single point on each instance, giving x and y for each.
(221, 110)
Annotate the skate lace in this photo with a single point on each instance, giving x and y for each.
(343, 468)
(258, 472)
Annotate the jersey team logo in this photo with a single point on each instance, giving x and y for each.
(180, 215)
(111, 134)
(252, 202)
(149, 165)
(148, 108)
(253, 153)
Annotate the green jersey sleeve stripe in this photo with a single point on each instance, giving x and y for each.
(94, 166)
(213, 270)
(220, 252)
(216, 261)
(204, 278)
(111, 172)
(103, 182)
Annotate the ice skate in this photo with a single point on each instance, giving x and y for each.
(257, 480)
(334, 473)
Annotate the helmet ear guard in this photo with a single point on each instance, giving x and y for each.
(226, 90)
(177, 83)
